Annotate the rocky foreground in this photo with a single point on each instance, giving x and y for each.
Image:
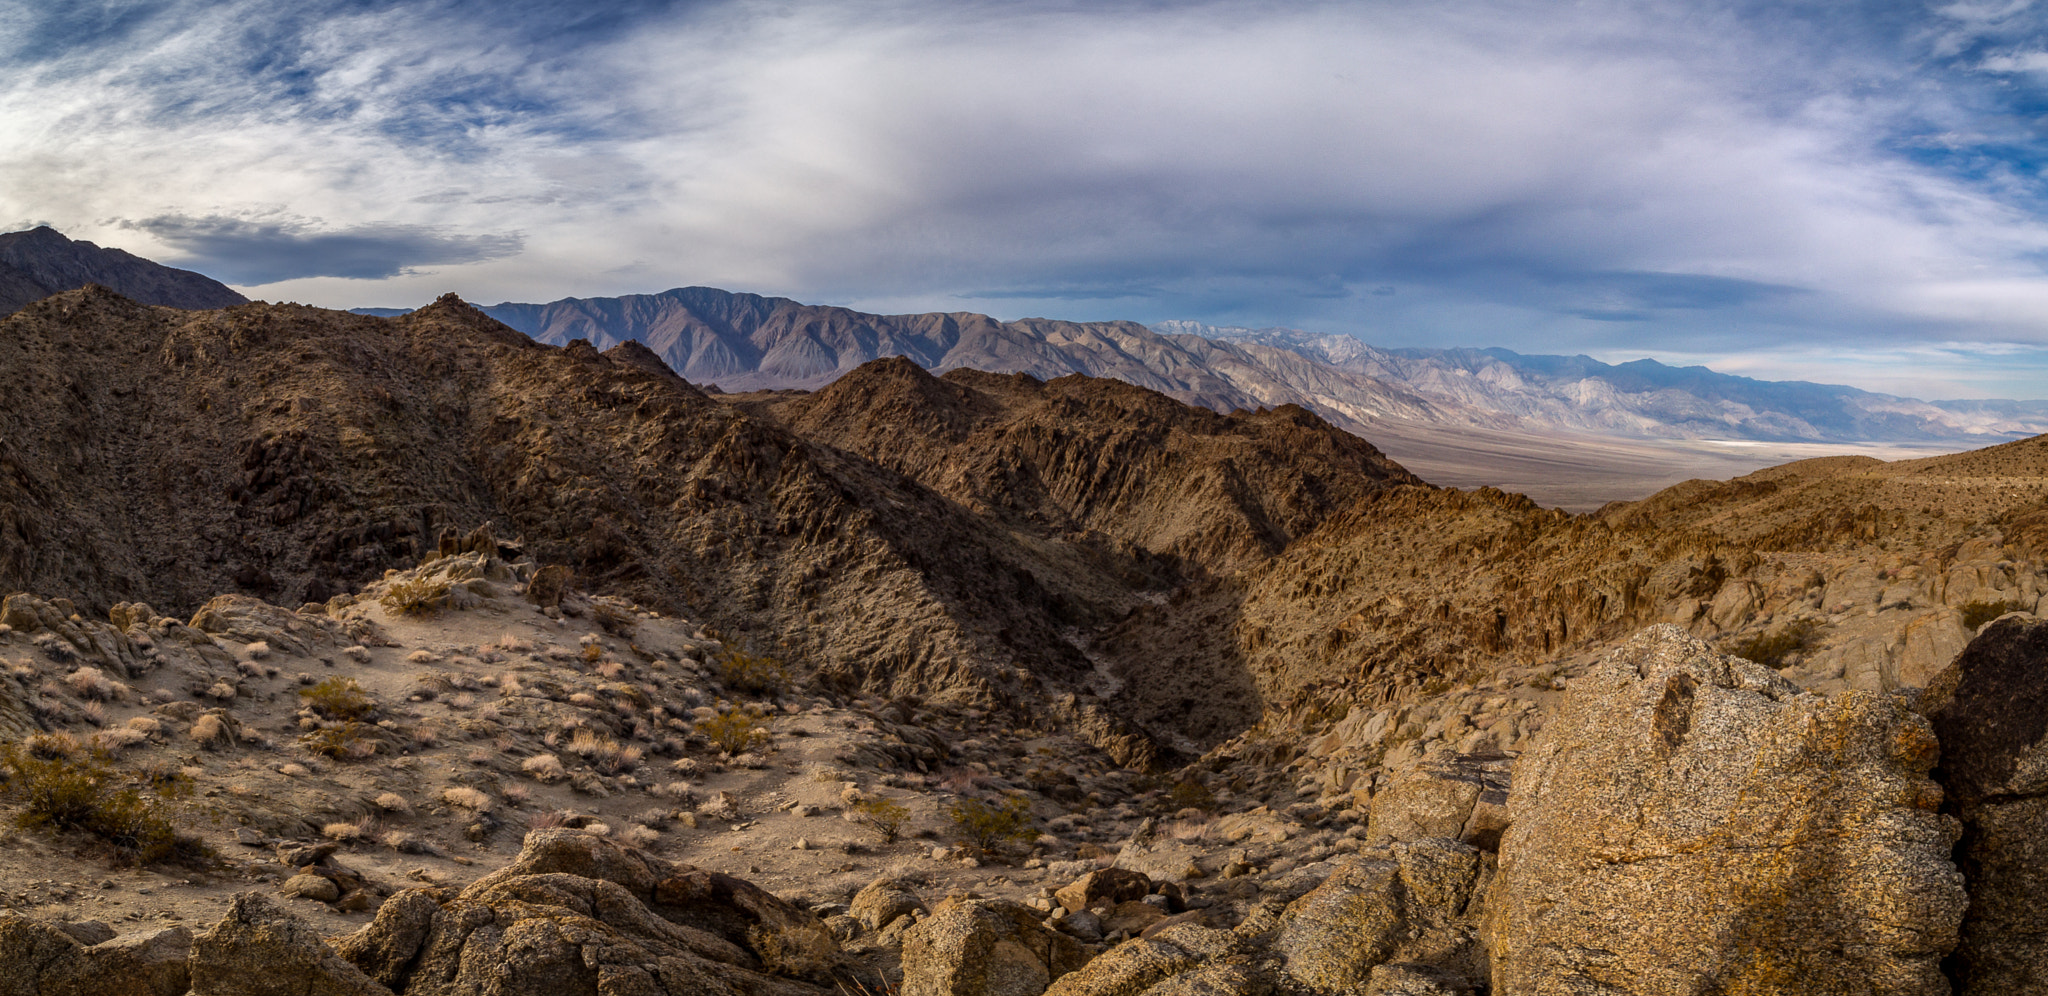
(1680, 821)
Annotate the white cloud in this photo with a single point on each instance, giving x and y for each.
(1511, 167)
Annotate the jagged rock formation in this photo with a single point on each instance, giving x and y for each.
(1694, 822)
(1990, 710)
(40, 262)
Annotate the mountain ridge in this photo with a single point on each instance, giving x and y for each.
(742, 342)
(39, 262)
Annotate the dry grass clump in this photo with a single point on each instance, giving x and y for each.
(641, 836)
(91, 684)
(415, 597)
(512, 643)
(222, 691)
(148, 726)
(392, 802)
(257, 651)
(585, 700)
(358, 653)
(115, 741)
(209, 731)
(348, 833)
(721, 806)
(52, 746)
(545, 768)
(681, 792)
(463, 797)
(422, 657)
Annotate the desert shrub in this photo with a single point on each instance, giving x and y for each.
(84, 795)
(339, 698)
(52, 746)
(1979, 612)
(545, 768)
(1191, 794)
(463, 797)
(92, 684)
(549, 584)
(392, 802)
(734, 732)
(1775, 648)
(884, 817)
(989, 825)
(752, 674)
(351, 741)
(593, 652)
(209, 730)
(415, 597)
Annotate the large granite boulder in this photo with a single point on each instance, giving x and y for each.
(1693, 823)
(39, 959)
(575, 913)
(260, 949)
(985, 947)
(1990, 710)
(1404, 903)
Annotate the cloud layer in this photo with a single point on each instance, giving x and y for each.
(1672, 179)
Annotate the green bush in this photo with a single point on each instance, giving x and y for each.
(339, 698)
(883, 816)
(1978, 613)
(415, 598)
(989, 825)
(1775, 648)
(752, 674)
(735, 732)
(86, 795)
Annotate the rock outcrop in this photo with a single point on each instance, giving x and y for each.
(576, 913)
(1990, 711)
(1693, 822)
(39, 959)
(985, 947)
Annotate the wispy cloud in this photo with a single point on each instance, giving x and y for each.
(1607, 175)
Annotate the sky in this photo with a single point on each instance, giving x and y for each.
(1834, 191)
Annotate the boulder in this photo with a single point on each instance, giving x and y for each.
(882, 901)
(310, 886)
(386, 947)
(1443, 793)
(40, 959)
(1104, 887)
(576, 913)
(1692, 822)
(1989, 709)
(1180, 959)
(260, 949)
(1405, 902)
(985, 947)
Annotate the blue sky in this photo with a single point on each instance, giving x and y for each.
(1830, 191)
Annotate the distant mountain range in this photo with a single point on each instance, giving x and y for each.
(746, 342)
(40, 262)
